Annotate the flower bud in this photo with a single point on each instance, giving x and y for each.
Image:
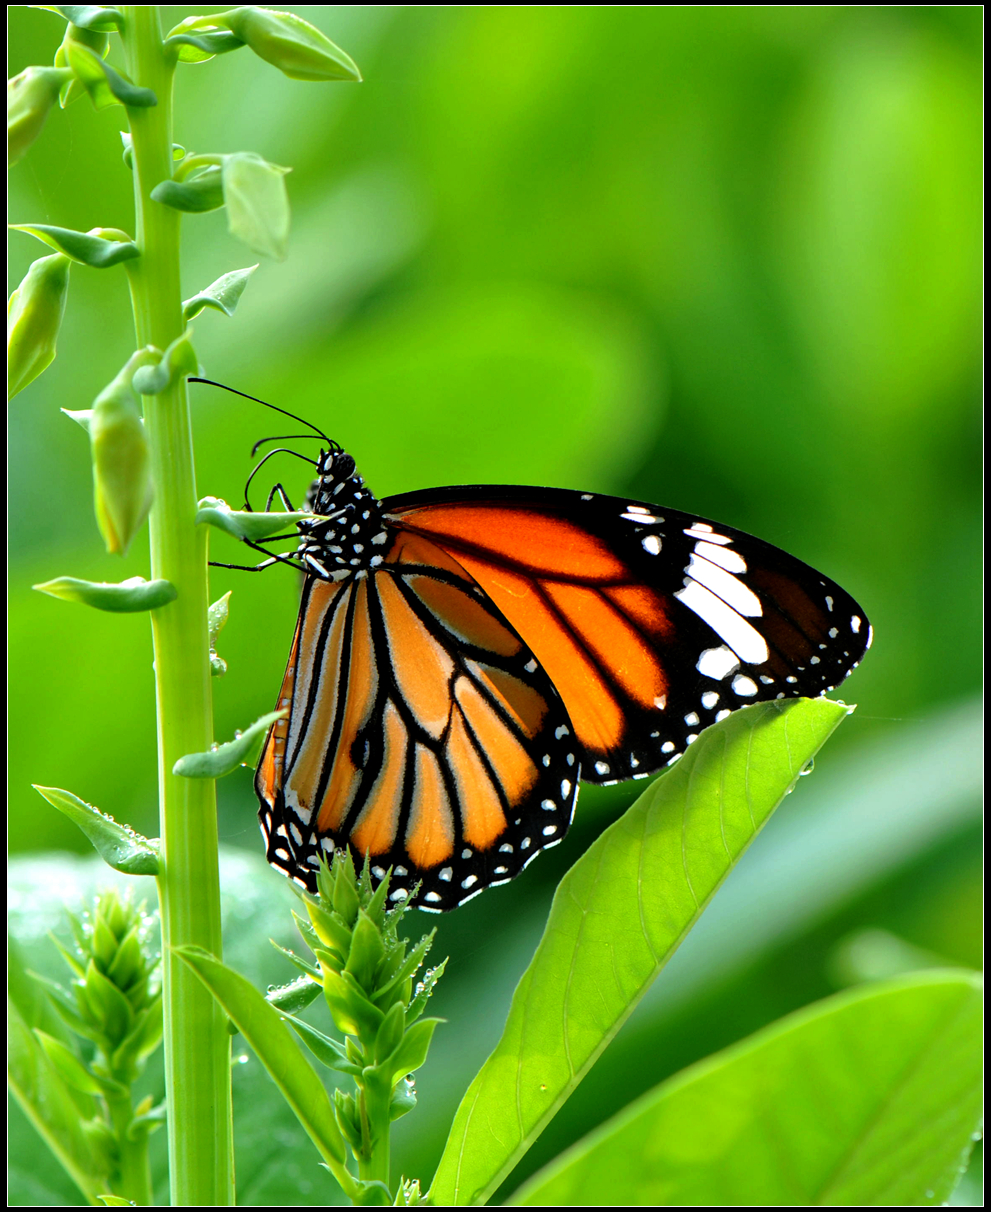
(257, 203)
(34, 314)
(295, 47)
(121, 462)
(29, 98)
(97, 41)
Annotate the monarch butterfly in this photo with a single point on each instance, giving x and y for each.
(464, 656)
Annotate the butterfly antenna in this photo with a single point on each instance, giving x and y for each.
(302, 420)
(282, 437)
(261, 463)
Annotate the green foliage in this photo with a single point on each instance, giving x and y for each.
(223, 759)
(100, 248)
(118, 845)
(134, 594)
(869, 1099)
(617, 917)
(79, 1097)
(737, 275)
(30, 96)
(34, 315)
(123, 489)
(222, 295)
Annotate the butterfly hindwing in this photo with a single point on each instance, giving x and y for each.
(651, 623)
(421, 730)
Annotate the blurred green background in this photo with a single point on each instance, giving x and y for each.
(726, 259)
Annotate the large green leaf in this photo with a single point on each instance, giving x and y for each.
(869, 1098)
(617, 917)
(263, 1028)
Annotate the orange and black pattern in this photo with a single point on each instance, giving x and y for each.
(421, 730)
(464, 655)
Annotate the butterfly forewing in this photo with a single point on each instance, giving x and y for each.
(651, 623)
(421, 730)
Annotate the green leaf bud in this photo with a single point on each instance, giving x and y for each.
(309, 935)
(108, 1007)
(346, 1113)
(147, 1119)
(390, 1033)
(34, 315)
(103, 943)
(216, 618)
(352, 1012)
(142, 1041)
(198, 39)
(412, 1052)
(69, 1067)
(127, 965)
(105, 86)
(343, 893)
(196, 194)
(244, 524)
(403, 1098)
(366, 954)
(222, 295)
(153, 377)
(124, 598)
(222, 759)
(87, 16)
(98, 248)
(299, 50)
(257, 203)
(309, 970)
(30, 95)
(67, 955)
(95, 40)
(118, 915)
(423, 991)
(295, 996)
(329, 929)
(118, 845)
(327, 1051)
(122, 481)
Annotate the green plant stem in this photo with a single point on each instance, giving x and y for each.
(373, 1102)
(135, 1171)
(197, 1045)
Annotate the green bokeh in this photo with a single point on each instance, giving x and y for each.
(723, 258)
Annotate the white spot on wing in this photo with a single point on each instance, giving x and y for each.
(652, 544)
(744, 686)
(731, 627)
(717, 663)
(722, 556)
(722, 583)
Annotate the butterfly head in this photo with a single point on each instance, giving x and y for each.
(347, 535)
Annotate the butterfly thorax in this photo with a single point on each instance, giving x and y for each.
(347, 534)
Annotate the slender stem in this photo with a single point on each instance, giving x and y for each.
(197, 1045)
(135, 1171)
(374, 1098)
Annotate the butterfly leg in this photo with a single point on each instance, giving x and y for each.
(272, 558)
(277, 488)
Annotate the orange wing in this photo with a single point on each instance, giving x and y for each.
(597, 632)
(651, 623)
(421, 731)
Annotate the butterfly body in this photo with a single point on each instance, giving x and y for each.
(464, 655)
